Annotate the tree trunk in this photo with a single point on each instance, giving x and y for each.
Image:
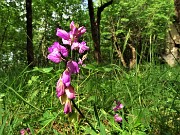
(29, 46)
(95, 27)
(177, 9)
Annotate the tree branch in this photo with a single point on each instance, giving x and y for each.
(100, 9)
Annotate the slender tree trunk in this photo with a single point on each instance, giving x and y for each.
(177, 9)
(29, 46)
(95, 27)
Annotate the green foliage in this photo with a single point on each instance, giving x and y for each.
(147, 21)
(150, 93)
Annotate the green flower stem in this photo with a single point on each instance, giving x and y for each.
(83, 116)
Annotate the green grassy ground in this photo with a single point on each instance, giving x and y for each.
(149, 93)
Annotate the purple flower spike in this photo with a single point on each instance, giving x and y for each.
(73, 67)
(66, 78)
(62, 34)
(67, 107)
(117, 118)
(60, 88)
(54, 56)
(70, 92)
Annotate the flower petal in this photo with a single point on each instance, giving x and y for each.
(63, 51)
(60, 88)
(62, 34)
(70, 92)
(66, 78)
(54, 56)
(73, 67)
(83, 47)
(117, 118)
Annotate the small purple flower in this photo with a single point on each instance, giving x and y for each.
(56, 50)
(75, 46)
(67, 107)
(22, 131)
(66, 78)
(77, 32)
(60, 88)
(73, 67)
(55, 45)
(118, 106)
(117, 118)
(70, 92)
(55, 56)
(83, 47)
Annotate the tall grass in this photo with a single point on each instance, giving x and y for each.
(150, 94)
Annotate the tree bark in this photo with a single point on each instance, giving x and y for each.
(29, 46)
(95, 27)
(177, 9)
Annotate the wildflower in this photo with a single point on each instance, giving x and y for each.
(73, 67)
(55, 56)
(60, 88)
(117, 118)
(80, 46)
(118, 106)
(67, 107)
(24, 131)
(83, 47)
(70, 37)
(56, 50)
(77, 32)
(70, 93)
(66, 78)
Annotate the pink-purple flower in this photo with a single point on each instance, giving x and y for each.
(66, 78)
(72, 36)
(80, 46)
(55, 56)
(117, 118)
(56, 52)
(25, 131)
(118, 106)
(73, 67)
